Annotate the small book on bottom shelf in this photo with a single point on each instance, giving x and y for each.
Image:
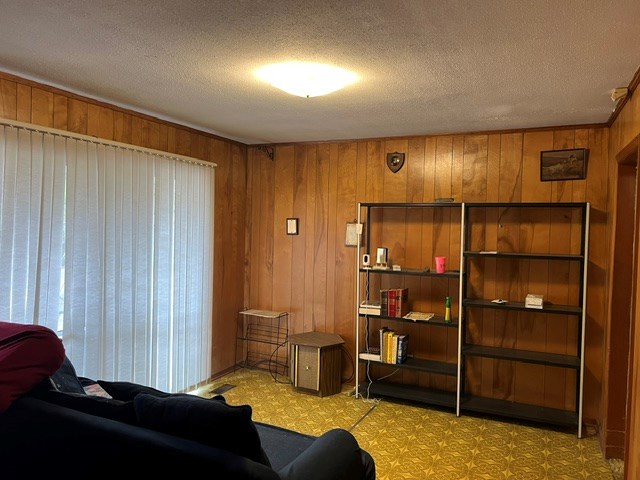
(403, 342)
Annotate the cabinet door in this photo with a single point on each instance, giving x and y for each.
(307, 367)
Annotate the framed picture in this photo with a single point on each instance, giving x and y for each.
(292, 226)
(353, 230)
(563, 164)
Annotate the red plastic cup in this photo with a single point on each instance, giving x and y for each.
(441, 264)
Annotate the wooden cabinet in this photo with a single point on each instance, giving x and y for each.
(534, 355)
(316, 362)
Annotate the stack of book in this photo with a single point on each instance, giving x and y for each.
(393, 346)
(369, 308)
(394, 302)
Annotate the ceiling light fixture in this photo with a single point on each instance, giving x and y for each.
(305, 79)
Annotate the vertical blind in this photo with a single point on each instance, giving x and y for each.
(112, 247)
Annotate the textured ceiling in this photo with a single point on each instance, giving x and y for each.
(427, 66)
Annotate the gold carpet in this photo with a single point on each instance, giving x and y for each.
(411, 442)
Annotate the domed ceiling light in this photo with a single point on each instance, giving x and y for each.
(305, 79)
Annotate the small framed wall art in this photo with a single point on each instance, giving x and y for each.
(292, 226)
(353, 230)
(569, 164)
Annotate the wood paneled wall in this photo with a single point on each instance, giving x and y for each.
(312, 275)
(624, 130)
(30, 102)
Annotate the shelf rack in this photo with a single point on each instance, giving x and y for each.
(460, 399)
(520, 410)
(449, 399)
(264, 336)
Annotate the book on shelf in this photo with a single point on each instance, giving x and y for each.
(393, 350)
(384, 346)
(419, 316)
(383, 351)
(393, 357)
(403, 341)
(394, 302)
(384, 298)
(388, 346)
(391, 302)
(402, 302)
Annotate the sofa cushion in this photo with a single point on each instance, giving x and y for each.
(213, 423)
(65, 379)
(282, 445)
(28, 354)
(94, 405)
(127, 391)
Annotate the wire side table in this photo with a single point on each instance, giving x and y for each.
(263, 334)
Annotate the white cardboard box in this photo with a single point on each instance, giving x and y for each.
(370, 356)
(534, 301)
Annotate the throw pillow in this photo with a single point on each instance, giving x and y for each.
(216, 423)
(28, 354)
(126, 391)
(99, 406)
(65, 379)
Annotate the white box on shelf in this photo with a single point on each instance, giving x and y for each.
(534, 301)
(370, 356)
(369, 308)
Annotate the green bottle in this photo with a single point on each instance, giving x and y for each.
(447, 309)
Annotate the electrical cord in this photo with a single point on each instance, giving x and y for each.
(353, 366)
(275, 375)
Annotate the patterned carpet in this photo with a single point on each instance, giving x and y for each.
(410, 442)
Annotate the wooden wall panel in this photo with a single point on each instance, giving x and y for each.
(8, 99)
(309, 227)
(509, 188)
(60, 109)
(320, 241)
(25, 107)
(344, 273)
(234, 253)
(77, 115)
(283, 244)
(494, 167)
(298, 255)
(330, 310)
(30, 102)
(42, 107)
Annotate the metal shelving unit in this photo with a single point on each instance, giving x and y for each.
(412, 393)
(460, 399)
(519, 410)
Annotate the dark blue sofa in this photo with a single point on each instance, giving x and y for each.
(50, 428)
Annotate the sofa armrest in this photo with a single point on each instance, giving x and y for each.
(335, 455)
(40, 438)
